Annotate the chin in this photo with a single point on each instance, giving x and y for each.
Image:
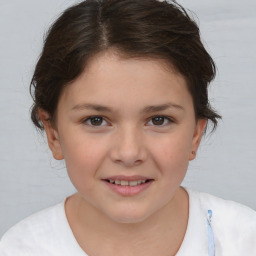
(129, 216)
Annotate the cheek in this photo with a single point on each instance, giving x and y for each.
(175, 146)
(171, 154)
(83, 158)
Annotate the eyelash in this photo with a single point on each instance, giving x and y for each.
(168, 119)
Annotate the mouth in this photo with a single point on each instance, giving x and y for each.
(128, 185)
(132, 183)
(123, 180)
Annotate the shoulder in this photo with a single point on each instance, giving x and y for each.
(29, 234)
(234, 224)
(232, 212)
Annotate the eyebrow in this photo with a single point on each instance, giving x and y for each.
(147, 109)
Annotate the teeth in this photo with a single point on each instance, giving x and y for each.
(117, 182)
(127, 183)
(124, 182)
(133, 183)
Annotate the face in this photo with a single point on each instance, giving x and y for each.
(128, 121)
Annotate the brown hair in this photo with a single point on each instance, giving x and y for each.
(134, 28)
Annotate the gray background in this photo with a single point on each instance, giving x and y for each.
(31, 180)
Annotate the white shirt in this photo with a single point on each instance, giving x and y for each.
(47, 233)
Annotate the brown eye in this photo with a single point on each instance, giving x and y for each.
(160, 121)
(95, 121)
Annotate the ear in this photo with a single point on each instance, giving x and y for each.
(52, 135)
(199, 130)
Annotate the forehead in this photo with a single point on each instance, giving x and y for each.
(111, 79)
(109, 60)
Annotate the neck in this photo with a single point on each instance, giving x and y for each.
(160, 234)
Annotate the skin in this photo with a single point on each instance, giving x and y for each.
(127, 141)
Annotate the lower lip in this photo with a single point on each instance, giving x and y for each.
(128, 190)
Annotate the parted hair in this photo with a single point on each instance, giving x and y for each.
(134, 29)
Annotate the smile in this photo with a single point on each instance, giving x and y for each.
(128, 186)
(127, 183)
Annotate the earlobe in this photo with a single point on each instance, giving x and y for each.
(200, 127)
(52, 135)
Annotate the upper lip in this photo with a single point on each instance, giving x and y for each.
(127, 178)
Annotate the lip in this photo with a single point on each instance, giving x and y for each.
(127, 178)
(128, 190)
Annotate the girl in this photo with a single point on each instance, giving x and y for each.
(121, 91)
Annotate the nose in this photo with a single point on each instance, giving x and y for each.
(128, 148)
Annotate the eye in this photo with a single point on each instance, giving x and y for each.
(95, 121)
(160, 121)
